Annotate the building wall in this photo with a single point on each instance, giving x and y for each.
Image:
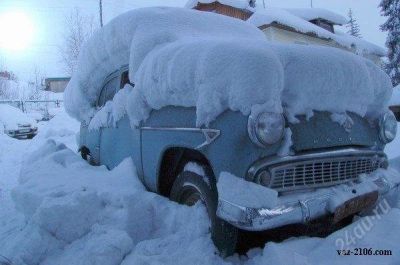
(230, 11)
(278, 34)
(57, 86)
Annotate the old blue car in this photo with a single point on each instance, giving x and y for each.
(325, 155)
(255, 170)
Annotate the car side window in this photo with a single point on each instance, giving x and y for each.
(125, 80)
(108, 91)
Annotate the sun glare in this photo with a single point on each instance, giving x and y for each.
(16, 31)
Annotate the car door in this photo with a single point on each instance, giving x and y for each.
(91, 138)
(121, 141)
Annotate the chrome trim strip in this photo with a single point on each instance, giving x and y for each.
(210, 135)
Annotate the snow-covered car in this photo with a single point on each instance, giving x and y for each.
(265, 135)
(16, 124)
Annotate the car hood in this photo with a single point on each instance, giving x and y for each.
(324, 130)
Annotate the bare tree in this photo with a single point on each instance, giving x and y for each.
(78, 28)
(36, 85)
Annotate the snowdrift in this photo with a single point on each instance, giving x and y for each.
(74, 213)
(188, 58)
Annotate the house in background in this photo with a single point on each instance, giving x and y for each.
(294, 25)
(56, 85)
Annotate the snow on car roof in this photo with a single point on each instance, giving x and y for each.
(183, 57)
(143, 30)
(318, 13)
(266, 17)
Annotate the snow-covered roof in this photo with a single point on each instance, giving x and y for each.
(182, 57)
(241, 4)
(318, 13)
(283, 17)
(395, 100)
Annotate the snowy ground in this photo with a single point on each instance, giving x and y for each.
(56, 209)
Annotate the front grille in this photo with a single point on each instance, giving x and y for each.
(321, 172)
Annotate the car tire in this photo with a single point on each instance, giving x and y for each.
(30, 136)
(85, 153)
(188, 189)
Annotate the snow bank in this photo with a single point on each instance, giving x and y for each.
(316, 13)
(187, 58)
(288, 18)
(79, 214)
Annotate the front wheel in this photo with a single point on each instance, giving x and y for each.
(190, 188)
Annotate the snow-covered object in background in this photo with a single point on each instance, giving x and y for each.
(395, 100)
(270, 15)
(318, 13)
(187, 58)
(241, 4)
(11, 118)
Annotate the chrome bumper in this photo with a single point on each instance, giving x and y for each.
(306, 206)
(18, 134)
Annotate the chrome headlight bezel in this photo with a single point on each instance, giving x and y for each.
(388, 127)
(260, 131)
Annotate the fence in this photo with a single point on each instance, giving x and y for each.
(36, 105)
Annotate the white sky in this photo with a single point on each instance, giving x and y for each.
(48, 17)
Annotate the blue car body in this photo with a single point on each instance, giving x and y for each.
(158, 145)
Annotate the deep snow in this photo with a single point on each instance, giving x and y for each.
(71, 213)
(187, 58)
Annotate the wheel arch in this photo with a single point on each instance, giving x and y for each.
(84, 150)
(172, 162)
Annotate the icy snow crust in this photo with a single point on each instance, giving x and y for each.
(197, 59)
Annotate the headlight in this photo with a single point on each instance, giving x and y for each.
(266, 128)
(264, 178)
(388, 127)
